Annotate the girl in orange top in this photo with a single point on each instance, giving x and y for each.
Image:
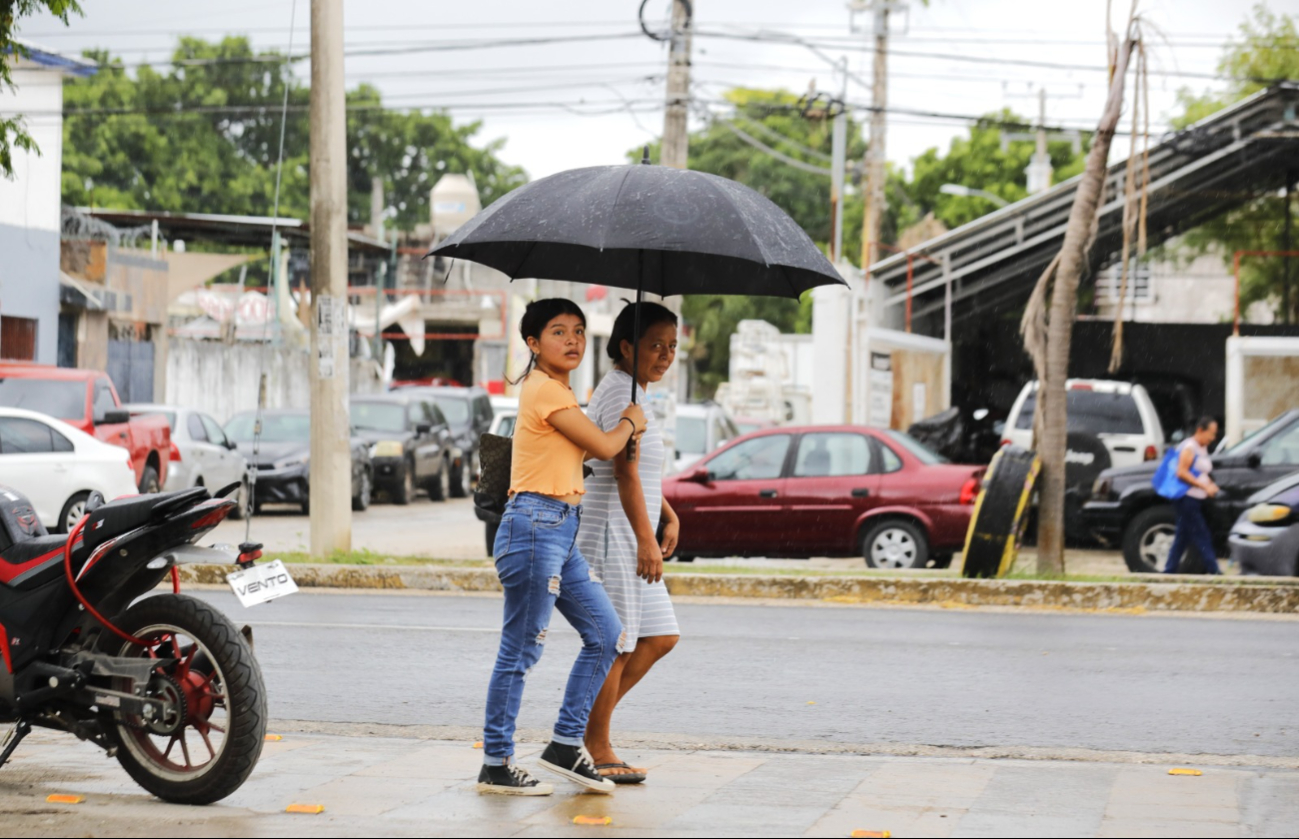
(538, 561)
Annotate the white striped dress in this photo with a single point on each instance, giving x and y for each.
(606, 538)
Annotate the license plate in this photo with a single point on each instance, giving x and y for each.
(261, 583)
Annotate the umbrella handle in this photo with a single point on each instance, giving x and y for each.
(635, 351)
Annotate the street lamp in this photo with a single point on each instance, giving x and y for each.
(970, 192)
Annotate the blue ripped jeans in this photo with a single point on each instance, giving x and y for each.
(541, 569)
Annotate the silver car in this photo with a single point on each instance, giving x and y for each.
(201, 454)
(1265, 539)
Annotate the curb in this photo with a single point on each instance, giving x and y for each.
(1136, 596)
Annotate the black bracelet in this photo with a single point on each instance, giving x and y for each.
(633, 425)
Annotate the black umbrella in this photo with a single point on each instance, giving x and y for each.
(649, 228)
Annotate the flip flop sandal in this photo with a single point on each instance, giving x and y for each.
(622, 777)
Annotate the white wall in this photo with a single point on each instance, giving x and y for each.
(30, 208)
(222, 379)
(32, 199)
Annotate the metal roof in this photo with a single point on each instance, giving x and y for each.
(49, 58)
(252, 231)
(1227, 159)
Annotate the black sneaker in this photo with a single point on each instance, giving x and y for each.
(575, 764)
(510, 780)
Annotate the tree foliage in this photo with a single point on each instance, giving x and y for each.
(13, 131)
(774, 118)
(204, 138)
(1266, 49)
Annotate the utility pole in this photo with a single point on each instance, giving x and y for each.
(675, 151)
(838, 165)
(875, 204)
(330, 489)
(676, 142)
(1039, 168)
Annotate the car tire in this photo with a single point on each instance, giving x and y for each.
(1147, 539)
(149, 481)
(241, 502)
(896, 544)
(361, 501)
(405, 489)
(490, 528)
(462, 481)
(440, 487)
(72, 512)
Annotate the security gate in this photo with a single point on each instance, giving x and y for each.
(130, 366)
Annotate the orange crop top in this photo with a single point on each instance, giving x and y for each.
(544, 460)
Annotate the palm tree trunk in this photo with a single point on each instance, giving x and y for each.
(1079, 233)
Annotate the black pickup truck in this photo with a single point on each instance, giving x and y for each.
(1124, 508)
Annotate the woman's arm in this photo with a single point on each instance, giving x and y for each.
(602, 445)
(1185, 459)
(671, 529)
(649, 557)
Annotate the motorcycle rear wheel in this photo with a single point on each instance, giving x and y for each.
(207, 747)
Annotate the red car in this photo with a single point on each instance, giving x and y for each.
(826, 491)
(87, 400)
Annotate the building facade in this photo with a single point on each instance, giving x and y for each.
(30, 213)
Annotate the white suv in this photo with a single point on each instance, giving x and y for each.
(1120, 414)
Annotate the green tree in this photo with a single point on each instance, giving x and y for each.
(775, 119)
(204, 138)
(13, 131)
(1266, 50)
(979, 161)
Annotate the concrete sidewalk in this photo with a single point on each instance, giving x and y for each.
(394, 786)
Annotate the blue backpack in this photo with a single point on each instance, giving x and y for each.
(1166, 482)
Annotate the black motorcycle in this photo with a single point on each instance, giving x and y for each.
(166, 683)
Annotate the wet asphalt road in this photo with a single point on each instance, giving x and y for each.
(958, 678)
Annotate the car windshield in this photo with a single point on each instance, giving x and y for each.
(1091, 412)
(65, 400)
(379, 416)
(918, 450)
(456, 410)
(1251, 439)
(692, 435)
(276, 428)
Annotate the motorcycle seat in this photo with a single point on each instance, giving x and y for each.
(32, 563)
(126, 514)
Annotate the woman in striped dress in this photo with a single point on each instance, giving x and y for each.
(623, 507)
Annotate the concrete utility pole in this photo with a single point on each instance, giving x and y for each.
(875, 170)
(331, 460)
(675, 149)
(838, 165)
(1039, 169)
(676, 144)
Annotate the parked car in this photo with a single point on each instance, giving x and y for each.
(58, 466)
(1265, 539)
(87, 400)
(701, 428)
(826, 491)
(469, 413)
(1120, 414)
(745, 425)
(201, 453)
(1124, 508)
(283, 458)
(410, 444)
(505, 411)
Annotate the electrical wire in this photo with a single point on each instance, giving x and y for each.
(250, 501)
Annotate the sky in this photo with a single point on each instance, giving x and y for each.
(571, 103)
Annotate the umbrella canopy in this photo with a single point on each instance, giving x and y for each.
(650, 228)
